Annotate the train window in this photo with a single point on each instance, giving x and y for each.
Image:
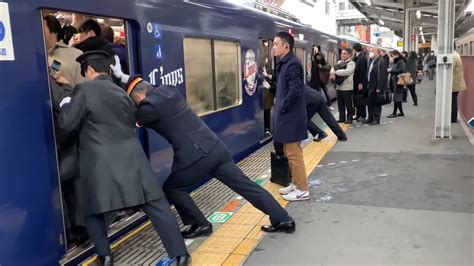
(465, 49)
(227, 73)
(198, 65)
(471, 52)
(301, 54)
(212, 85)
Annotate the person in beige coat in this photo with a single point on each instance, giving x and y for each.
(458, 85)
(344, 72)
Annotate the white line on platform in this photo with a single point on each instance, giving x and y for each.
(331, 163)
(343, 162)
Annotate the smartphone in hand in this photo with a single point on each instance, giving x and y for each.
(55, 67)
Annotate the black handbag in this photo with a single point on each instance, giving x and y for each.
(383, 97)
(280, 169)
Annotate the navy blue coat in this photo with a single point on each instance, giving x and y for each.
(290, 110)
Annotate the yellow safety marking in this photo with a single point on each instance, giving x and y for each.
(238, 237)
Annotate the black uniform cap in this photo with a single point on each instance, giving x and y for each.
(90, 57)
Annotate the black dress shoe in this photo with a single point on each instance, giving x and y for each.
(287, 227)
(348, 122)
(106, 260)
(373, 123)
(392, 116)
(366, 121)
(341, 121)
(400, 114)
(320, 137)
(342, 139)
(196, 230)
(184, 260)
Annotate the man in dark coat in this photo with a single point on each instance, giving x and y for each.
(198, 153)
(114, 171)
(360, 82)
(378, 80)
(315, 104)
(290, 114)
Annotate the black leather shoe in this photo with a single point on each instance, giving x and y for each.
(341, 121)
(321, 137)
(400, 114)
(366, 121)
(373, 123)
(196, 230)
(342, 139)
(287, 227)
(348, 122)
(392, 116)
(182, 261)
(106, 260)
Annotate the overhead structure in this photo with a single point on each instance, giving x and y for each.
(421, 17)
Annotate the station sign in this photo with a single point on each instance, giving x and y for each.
(6, 43)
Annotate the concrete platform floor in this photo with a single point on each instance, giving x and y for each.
(391, 195)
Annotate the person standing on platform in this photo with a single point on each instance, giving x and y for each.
(431, 65)
(315, 104)
(198, 153)
(399, 91)
(344, 71)
(360, 82)
(320, 76)
(290, 114)
(458, 84)
(412, 68)
(114, 171)
(377, 83)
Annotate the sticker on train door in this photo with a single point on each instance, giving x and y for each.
(250, 72)
(6, 43)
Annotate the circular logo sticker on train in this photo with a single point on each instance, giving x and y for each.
(250, 72)
(2, 31)
(149, 27)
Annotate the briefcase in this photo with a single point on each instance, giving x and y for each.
(281, 174)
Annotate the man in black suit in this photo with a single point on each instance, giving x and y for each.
(360, 82)
(378, 82)
(114, 171)
(315, 104)
(198, 153)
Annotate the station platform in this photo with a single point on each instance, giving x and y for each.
(389, 195)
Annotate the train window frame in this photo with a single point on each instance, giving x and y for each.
(238, 75)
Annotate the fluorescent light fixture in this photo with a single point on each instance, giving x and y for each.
(420, 28)
(418, 14)
(423, 38)
(381, 22)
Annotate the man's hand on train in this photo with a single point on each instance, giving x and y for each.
(117, 71)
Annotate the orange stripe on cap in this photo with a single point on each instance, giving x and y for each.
(133, 84)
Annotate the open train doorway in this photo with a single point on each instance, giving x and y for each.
(66, 36)
(267, 61)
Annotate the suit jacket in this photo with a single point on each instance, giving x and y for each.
(114, 170)
(166, 111)
(360, 73)
(290, 111)
(378, 79)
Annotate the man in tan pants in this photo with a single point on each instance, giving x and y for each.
(290, 114)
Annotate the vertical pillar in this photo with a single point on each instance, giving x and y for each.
(434, 43)
(407, 25)
(444, 68)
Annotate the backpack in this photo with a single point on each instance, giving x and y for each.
(340, 79)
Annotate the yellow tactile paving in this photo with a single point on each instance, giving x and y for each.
(236, 239)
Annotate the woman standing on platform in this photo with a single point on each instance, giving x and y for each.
(398, 67)
(412, 65)
(320, 75)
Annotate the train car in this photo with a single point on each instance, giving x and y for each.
(465, 43)
(213, 52)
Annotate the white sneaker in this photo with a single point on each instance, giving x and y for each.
(297, 195)
(287, 190)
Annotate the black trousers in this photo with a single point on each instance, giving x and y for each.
(325, 90)
(344, 102)
(266, 119)
(361, 111)
(397, 106)
(327, 117)
(162, 219)
(412, 89)
(454, 107)
(218, 164)
(375, 111)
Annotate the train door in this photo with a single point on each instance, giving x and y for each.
(61, 31)
(267, 63)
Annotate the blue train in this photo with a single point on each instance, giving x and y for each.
(213, 51)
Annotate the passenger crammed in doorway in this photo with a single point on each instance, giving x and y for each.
(198, 153)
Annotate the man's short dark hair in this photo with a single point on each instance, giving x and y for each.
(54, 26)
(107, 33)
(90, 25)
(348, 50)
(358, 47)
(100, 66)
(286, 38)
